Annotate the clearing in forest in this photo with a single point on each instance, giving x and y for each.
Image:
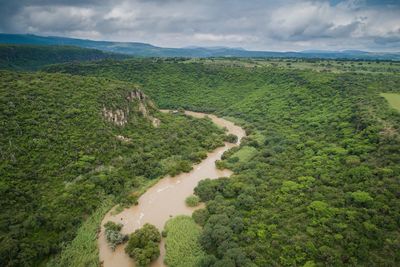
(393, 99)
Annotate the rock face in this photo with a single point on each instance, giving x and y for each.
(123, 139)
(119, 117)
(156, 122)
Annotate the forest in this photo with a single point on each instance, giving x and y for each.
(33, 57)
(315, 181)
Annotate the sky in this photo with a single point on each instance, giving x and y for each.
(284, 25)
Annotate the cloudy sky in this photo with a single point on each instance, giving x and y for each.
(372, 25)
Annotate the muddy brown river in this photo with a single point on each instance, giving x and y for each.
(164, 200)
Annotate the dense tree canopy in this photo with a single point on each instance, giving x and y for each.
(143, 245)
(33, 57)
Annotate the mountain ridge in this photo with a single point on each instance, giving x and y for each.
(148, 50)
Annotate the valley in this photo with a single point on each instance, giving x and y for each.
(313, 183)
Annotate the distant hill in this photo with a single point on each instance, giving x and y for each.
(148, 50)
(31, 57)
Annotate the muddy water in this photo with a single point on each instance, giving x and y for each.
(164, 200)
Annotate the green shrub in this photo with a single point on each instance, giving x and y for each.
(113, 234)
(198, 156)
(176, 165)
(231, 138)
(200, 216)
(361, 197)
(220, 164)
(131, 199)
(192, 201)
(352, 160)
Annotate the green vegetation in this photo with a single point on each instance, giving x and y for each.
(319, 65)
(33, 57)
(393, 99)
(321, 187)
(315, 182)
(231, 138)
(143, 245)
(245, 154)
(192, 201)
(83, 250)
(200, 216)
(61, 157)
(182, 243)
(113, 234)
(237, 154)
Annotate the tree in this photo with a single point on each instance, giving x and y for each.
(361, 197)
(113, 234)
(143, 245)
(200, 216)
(231, 138)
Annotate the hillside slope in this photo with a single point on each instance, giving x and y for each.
(70, 145)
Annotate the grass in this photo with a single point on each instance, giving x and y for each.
(245, 154)
(83, 250)
(182, 246)
(393, 99)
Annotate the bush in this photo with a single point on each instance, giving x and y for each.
(113, 234)
(198, 156)
(176, 165)
(200, 216)
(352, 160)
(361, 197)
(220, 164)
(231, 138)
(192, 201)
(143, 245)
(131, 199)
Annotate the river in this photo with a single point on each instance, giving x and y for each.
(165, 199)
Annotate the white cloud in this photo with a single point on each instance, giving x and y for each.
(55, 18)
(253, 24)
(209, 37)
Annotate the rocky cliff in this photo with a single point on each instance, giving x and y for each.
(144, 106)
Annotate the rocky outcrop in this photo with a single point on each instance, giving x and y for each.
(123, 139)
(118, 117)
(156, 122)
(144, 106)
